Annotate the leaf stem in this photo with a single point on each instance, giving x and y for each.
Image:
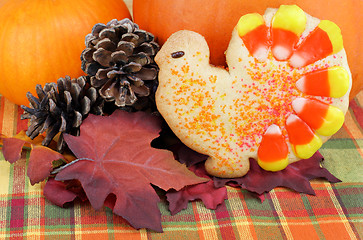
(57, 170)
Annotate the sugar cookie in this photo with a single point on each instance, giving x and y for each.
(284, 94)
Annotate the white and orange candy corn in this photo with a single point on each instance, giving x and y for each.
(288, 24)
(254, 33)
(326, 39)
(303, 140)
(273, 151)
(328, 82)
(323, 118)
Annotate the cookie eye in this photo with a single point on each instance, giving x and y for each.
(177, 54)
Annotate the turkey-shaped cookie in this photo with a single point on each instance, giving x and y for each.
(284, 94)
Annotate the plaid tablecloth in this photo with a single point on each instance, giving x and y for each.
(336, 212)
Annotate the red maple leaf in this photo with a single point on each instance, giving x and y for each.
(210, 195)
(115, 157)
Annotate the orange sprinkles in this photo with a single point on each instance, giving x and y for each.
(275, 88)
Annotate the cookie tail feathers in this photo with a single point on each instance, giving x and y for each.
(272, 154)
(325, 119)
(328, 82)
(254, 33)
(303, 140)
(325, 40)
(288, 24)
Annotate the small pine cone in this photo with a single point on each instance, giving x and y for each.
(119, 57)
(60, 108)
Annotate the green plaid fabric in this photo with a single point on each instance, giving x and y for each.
(336, 212)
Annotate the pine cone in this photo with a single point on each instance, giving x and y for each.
(119, 57)
(60, 108)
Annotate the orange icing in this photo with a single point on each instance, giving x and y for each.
(317, 83)
(256, 39)
(299, 132)
(313, 113)
(316, 46)
(284, 38)
(273, 148)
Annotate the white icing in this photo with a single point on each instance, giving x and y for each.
(273, 129)
(281, 53)
(292, 118)
(298, 104)
(300, 84)
(268, 15)
(261, 54)
(297, 61)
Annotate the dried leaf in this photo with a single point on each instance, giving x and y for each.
(207, 192)
(115, 157)
(40, 160)
(12, 146)
(296, 176)
(40, 163)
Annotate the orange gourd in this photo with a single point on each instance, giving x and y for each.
(42, 40)
(215, 19)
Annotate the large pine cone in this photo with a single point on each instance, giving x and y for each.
(119, 57)
(60, 108)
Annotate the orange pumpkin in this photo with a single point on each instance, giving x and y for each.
(42, 40)
(215, 19)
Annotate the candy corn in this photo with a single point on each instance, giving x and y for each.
(254, 33)
(303, 140)
(328, 82)
(272, 152)
(323, 118)
(288, 24)
(326, 39)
